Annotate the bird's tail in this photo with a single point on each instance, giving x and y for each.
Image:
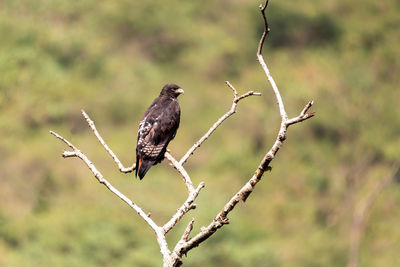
(142, 166)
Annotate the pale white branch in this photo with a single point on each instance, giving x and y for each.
(186, 243)
(101, 140)
(181, 242)
(230, 112)
(193, 193)
(188, 229)
(186, 206)
(306, 108)
(77, 153)
(181, 170)
(264, 65)
(303, 115)
(274, 87)
(68, 143)
(159, 231)
(221, 218)
(68, 154)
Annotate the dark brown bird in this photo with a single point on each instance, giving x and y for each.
(157, 128)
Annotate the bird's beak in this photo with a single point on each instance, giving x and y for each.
(179, 91)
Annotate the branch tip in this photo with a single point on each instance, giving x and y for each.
(306, 108)
(188, 230)
(103, 143)
(231, 86)
(264, 7)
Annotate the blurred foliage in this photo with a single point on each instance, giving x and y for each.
(112, 58)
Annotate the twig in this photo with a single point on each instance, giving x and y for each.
(266, 30)
(189, 228)
(186, 206)
(303, 115)
(264, 65)
(115, 158)
(77, 153)
(232, 110)
(182, 171)
(182, 241)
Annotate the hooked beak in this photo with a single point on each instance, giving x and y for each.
(179, 91)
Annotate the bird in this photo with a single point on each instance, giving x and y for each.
(157, 128)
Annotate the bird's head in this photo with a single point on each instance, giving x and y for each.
(171, 90)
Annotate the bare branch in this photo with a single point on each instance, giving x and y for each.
(115, 158)
(185, 244)
(189, 229)
(64, 140)
(235, 101)
(303, 115)
(235, 93)
(102, 180)
(185, 237)
(306, 108)
(264, 65)
(266, 30)
(221, 218)
(186, 206)
(157, 230)
(181, 170)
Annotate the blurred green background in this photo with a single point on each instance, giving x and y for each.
(111, 58)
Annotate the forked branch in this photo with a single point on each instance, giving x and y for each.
(230, 112)
(74, 152)
(221, 218)
(185, 244)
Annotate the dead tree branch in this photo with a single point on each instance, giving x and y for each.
(221, 218)
(192, 192)
(185, 244)
(186, 206)
(97, 174)
(182, 171)
(115, 158)
(235, 101)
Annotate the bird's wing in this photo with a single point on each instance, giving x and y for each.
(157, 129)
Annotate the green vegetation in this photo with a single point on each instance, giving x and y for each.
(112, 58)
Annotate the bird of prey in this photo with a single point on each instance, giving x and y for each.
(157, 128)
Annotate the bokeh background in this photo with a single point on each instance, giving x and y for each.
(111, 58)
